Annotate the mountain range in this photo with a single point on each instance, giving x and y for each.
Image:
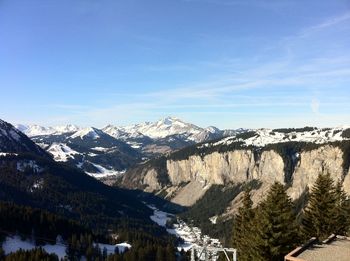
(30, 176)
(162, 128)
(112, 150)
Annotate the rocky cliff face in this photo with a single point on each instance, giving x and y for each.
(326, 159)
(240, 166)
(220, 168)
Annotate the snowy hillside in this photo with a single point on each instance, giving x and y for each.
(92, 150)
(263, 137)
(61, 152)
(88, 132)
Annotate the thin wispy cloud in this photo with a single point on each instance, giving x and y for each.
(205, 60)
(315, 106)
(332, 21)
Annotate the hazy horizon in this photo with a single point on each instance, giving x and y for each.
(202, 126)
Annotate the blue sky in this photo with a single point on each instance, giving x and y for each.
(228, 63)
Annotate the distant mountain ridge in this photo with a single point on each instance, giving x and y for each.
(37, 130)
(160, 129)
(112, 150)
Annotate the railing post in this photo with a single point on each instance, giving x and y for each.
(192, 254)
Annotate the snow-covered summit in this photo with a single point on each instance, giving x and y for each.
(167, 127)
(163, 128)
(66, 128)
(123, 133)
(212, 129)
(37, 130)
(89, 132)
(160, 129)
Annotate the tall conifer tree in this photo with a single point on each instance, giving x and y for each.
(242, 229)
(320, 214)
(342, 211)
(276, 227)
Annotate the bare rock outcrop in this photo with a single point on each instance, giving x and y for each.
(325, 160)
(244, 165)
(235, 167)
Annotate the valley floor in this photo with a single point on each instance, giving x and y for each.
(191, 236)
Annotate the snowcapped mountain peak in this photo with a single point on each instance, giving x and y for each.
(89, 132)
(123, 133)
(66, 128)
(169, 121)
(33, 130)
(212, 129)
(114, 131)
(166, 127)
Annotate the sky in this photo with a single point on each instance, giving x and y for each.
(227, 63)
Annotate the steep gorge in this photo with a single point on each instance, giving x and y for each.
(184, 179)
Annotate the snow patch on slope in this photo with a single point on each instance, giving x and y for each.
(101, 149)
(31, 164)
(122, 247)
(4, 154)
(61, 152)
(159, 217)
(104, 172)
(15, 243)
(37, 185)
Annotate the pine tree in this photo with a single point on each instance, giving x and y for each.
(242, 228)
(170, 253)
(342, 211)
(276, 228)
(160, 254)
(320, 214)
(2, 253)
